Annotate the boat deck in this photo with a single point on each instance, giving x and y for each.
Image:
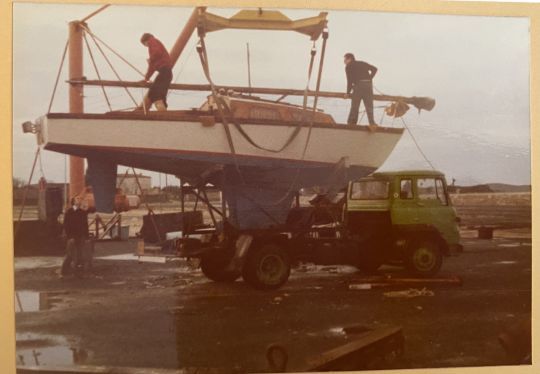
(206, 117)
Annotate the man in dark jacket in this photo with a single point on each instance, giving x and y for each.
(160, 61)
(359, 80)
(76, 230)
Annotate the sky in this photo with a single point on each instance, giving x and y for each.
(477, 69)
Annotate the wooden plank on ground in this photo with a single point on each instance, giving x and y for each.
(360, 353)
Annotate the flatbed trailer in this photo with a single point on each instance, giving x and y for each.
(399, 218)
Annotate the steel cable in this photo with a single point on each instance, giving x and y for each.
(97, 71)
(416, 143)
(94, 36)
(58, 76)
(111, 66)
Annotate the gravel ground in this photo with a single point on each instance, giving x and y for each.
(168, 315)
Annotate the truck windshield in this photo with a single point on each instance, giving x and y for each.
(370, 190)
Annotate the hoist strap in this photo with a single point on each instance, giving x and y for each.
(204, 62)
(317, 90)
(223, 107)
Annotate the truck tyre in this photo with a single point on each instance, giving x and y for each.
(214, 266)
(424, 258)
(267, 267)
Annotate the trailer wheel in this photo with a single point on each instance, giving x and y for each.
(214, 266)
(267, 267)
(424, 258)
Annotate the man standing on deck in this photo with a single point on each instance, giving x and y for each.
(76, 230)
(160, 61)
(359, 80)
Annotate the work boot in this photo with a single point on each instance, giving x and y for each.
(160, 106)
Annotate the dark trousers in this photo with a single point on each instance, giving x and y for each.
(362, 91)
(160, 86)
(75, 253)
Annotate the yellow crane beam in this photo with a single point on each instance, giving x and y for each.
(263, 20)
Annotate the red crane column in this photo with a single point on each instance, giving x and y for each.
(185, 35)
(76, 102)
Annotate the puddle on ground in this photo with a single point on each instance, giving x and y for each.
(122, 257)
(335, 269)
(336, 331)
(33, 301)
(48, 350)
(509, 245)
(345, 332)
(133, 257)
(120, 283)
(24, 263)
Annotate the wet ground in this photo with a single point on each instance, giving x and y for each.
(168, 315)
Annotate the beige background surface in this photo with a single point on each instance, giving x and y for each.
(7, 329)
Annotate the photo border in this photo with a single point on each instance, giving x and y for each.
(530, 10)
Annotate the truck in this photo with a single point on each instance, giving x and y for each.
(402, 218)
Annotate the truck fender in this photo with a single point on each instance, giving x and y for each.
(242, 245)
(434, 234)
(411, 233)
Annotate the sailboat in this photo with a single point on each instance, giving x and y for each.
(258, 151)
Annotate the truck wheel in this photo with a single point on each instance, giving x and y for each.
(424, 258)
(214, 265)
(267, 267)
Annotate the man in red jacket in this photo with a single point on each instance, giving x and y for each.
(160, 61)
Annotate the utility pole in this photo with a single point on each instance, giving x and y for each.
(76, 102)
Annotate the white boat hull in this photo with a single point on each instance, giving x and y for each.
(257, 184)
(328, 145)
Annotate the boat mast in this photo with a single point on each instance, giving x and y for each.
(76, 101)
(77, 183)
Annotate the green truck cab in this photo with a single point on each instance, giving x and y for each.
(403, 217)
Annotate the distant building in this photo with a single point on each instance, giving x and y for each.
(128, 183)
(33, 192)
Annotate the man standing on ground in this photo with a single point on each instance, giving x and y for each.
(160, 61)
(76, 230)
(359, 80)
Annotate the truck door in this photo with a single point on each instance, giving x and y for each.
(404, 205)
(432, 201)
